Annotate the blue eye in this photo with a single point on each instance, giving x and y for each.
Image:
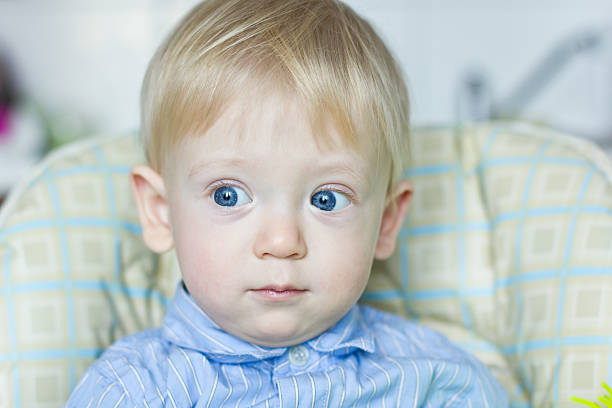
(328, 200)
(229, 196)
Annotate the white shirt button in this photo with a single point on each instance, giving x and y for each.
(298, 355)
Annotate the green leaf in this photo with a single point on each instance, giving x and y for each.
(607, 388)
(607, 401)
(585, 402)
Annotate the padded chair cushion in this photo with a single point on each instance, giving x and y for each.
(507, 249)
(76, 274)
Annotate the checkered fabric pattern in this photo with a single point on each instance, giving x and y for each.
(507, 249)
(75, 273)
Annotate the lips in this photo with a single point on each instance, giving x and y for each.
(278, 293)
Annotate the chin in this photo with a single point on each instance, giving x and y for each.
(280, 333)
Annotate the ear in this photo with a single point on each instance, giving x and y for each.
(392, 219)
(150, 193)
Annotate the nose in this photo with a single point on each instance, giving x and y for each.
(280, 236)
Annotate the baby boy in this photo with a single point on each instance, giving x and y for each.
(275, 133)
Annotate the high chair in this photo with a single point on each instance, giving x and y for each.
(507, 250)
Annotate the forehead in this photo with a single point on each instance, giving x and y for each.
(262, 121)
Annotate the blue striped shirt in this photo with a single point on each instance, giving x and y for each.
(369, 358)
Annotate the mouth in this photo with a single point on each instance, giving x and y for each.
(278, 293)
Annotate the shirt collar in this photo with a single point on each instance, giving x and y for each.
(187, 326)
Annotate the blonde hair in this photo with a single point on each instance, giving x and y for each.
(319, 49)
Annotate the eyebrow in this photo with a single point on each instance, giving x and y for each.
(338, 167)
(225, 162)
(344, 169)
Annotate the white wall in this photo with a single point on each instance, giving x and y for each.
(85, 59)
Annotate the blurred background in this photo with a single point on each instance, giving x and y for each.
(70, 69)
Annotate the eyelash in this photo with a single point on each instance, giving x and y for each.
(347, 193)
(210, 190)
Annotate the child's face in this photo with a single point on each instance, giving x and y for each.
(275, 236)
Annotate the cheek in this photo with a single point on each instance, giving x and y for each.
(205, 258)
(211, 274)
(348, 252)
(356, 239)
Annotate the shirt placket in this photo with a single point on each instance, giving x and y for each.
(289, 376)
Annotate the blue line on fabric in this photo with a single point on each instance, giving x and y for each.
(430, 170)
(112, 206)
(512, 161)
(584, 340)
(405, 266)
(477, 346)
(518, 250)
(563, 275)
(89, 285)
(72, 222)
(414, 231)
(564, 341)
(519, 392)
(507, 281)
(609, 380)
(594, 209)
(10, 305)
(443, 229)
(51, 354)
(590, 271)
(493, 162)
(81, 169)
(393, 294)
(533, 212)
(9, 297)
(543, 211)
(436, 169)
(113, 214)
(118, 287)
(499, 283)
(65, 256)
(382, 295)
(461, 255)
(433, 294)
(488, 144)
(92, 168)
